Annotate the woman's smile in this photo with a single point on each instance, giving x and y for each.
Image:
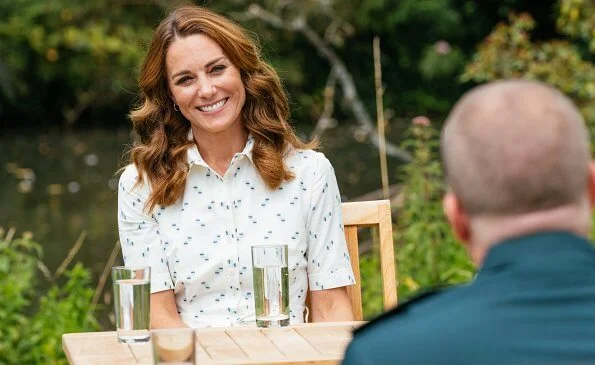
(213, 107)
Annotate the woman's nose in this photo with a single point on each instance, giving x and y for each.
(206, 88)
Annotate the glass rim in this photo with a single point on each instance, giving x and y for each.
(271, 245)
(130, 268)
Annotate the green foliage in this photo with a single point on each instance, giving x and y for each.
(427, 253)
(424, 43)
(32, 328)
(508, 52)
(75, 62)
(577, 19)
(17, 272)
(72, 55)
(441, 61)
(369, 265)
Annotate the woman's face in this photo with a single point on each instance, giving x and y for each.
(205, 84)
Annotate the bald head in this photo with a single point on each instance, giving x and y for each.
(513, 147)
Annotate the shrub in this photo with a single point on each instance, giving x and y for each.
(509, 52)
(426, 252)
(32, 325)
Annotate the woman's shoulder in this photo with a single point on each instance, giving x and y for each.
(129, 174)
(307, 154)
(129, 178)
(307, 159)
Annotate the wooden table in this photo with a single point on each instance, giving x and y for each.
(314, 343)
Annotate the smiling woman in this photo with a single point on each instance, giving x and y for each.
(210, 94)
(218, 169)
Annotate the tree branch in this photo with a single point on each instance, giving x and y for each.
(326, 120)
(346, 80)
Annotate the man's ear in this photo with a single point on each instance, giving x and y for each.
(591, 184)
(458, 219)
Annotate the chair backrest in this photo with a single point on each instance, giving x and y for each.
(375, 213)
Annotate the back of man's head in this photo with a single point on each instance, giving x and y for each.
(514, 147)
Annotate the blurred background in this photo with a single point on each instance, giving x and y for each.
(68, 72)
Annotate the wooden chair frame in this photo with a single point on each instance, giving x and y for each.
(375, 213)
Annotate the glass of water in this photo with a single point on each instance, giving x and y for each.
(271, 285)
(173, 346)
(132, 289)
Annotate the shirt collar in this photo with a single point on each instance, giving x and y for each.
(519, 249)
(194, 157)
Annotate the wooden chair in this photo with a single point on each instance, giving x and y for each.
(375, 213)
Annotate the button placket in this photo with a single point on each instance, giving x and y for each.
(230, 235)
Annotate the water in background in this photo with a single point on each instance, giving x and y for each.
(57, 185)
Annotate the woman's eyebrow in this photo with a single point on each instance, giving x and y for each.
(209, 64)
(180, 73)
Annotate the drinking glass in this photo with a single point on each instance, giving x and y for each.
(271, 285)
(173, 346)
(132, 288)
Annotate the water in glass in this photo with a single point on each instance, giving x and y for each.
(131, 298)
(271, 285)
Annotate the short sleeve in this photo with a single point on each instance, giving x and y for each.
(328, 259)
(139, 231)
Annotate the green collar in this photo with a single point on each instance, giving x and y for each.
(523, 248)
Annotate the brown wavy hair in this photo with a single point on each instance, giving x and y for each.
(160, 155)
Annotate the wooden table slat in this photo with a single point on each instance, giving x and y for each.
(256, 345)
(291, 343)
(315, 343)
(143, 353)
(77, 345)
(219, 346)
(201, 355)
(327, 340)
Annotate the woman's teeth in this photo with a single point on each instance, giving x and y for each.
(213, 107)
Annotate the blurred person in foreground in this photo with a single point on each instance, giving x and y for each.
(217, 169)
(522, 187)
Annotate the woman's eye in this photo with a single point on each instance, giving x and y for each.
(182, 80)
(218, 68)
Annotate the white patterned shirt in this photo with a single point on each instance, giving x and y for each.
(201, 246)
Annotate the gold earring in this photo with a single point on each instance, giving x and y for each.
(176, 107)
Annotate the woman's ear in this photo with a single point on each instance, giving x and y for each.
(171, 97)
(458, 219)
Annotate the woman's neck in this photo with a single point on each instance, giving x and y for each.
(218, 149)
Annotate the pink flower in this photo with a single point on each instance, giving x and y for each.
(421, 120)
(442, 47)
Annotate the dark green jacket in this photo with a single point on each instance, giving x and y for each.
(532, 302)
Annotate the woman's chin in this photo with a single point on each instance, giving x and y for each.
(217, 127)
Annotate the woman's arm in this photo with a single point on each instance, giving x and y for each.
(164, 311)
(141, 246)
(331, 305)
(329, 267)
